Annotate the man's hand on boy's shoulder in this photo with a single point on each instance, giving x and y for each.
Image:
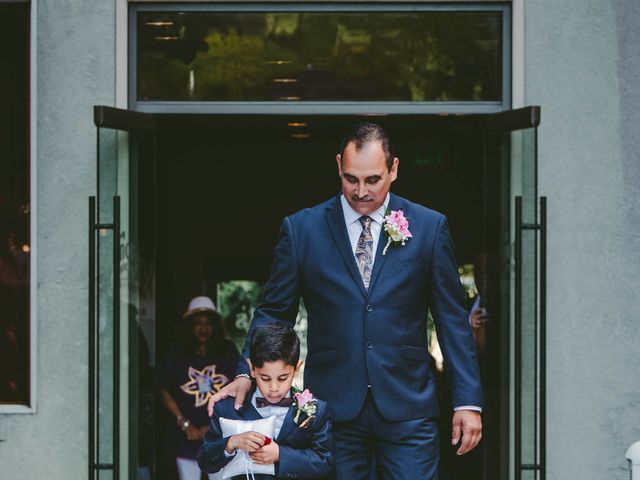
(238, 389)
(248, 441)
(267, 454)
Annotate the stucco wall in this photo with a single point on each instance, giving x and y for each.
(582, 66)
(75, 70)
(582, 60)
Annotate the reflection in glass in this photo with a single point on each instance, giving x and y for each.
(320, 56)
(14, 205)
(469, 285)
(238, 299)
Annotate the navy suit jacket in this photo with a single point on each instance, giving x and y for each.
(358, 337)
(304, 452)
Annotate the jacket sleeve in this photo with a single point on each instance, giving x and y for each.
(313, 462)
(211, 457)
(452, 322)
(281, 298)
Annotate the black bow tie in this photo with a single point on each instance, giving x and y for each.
(262, 402)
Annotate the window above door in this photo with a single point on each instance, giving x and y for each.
(374, 58)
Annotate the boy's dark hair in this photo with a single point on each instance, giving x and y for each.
(272, 342)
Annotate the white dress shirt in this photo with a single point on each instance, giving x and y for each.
(354, 228)
(271, 411)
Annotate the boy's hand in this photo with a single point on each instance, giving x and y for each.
(248, 441)
(267, 454)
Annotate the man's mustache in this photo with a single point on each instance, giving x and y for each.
(355, 198)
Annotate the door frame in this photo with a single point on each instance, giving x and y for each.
(121, 466)
(528, 117)
(513, 70)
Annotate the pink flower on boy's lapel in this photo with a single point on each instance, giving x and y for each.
(306, 406)
(303, 397)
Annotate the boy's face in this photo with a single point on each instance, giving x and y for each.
(274, 379)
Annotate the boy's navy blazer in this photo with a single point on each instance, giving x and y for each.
(374, 337)
(305, 453)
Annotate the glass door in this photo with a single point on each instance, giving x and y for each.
(120, 285)
(518, 349)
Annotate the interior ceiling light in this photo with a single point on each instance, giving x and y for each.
(159, 24)
(296, 124)
(285, 80)
(172, 37)
(279, 62)
(301, 135)
(289, 98)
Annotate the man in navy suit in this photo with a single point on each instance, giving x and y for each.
(367, 318)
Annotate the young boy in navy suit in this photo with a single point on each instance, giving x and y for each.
(301, 447)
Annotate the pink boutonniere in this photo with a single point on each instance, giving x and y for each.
(306, 408)
(397, 227)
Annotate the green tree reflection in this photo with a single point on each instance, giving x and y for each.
(426, 56)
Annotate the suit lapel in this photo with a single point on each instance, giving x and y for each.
(287, 425)
(378, 265)
(249, 412)
(338, 229)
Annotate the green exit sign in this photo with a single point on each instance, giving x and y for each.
(429, 159)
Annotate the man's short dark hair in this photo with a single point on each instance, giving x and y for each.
(272, 342)
(368, 132)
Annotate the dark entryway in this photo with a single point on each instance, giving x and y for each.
(225, 183)
(187, 202)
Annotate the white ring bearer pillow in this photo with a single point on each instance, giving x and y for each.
(242, 463)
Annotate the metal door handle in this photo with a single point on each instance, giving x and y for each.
(94, 466)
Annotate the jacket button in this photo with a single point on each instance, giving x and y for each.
(369, 308)
(369, 345)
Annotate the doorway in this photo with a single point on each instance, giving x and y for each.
(254, 170)
(250, 171)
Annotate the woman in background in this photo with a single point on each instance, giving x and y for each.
(200, 362)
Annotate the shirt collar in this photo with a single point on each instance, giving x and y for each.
(351, 216)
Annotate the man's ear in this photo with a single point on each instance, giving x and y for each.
(253, 374)
(394, 168)
(299, 366)
(339, 162)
